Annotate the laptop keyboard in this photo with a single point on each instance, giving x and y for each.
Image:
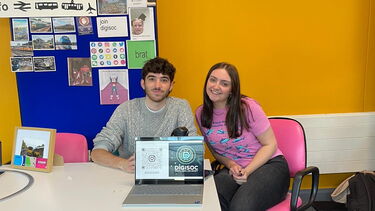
(168, 190)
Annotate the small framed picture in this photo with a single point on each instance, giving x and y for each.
(33, 148)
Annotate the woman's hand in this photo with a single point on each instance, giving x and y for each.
(234, 169)
(241, 177)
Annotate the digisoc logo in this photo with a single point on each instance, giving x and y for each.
(185, 155)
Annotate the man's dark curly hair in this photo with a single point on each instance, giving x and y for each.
(158, 65)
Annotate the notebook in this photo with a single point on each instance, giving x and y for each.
(168, 172)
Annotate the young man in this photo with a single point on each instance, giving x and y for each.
(157, 114)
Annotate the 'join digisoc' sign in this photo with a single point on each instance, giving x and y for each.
(47, 8)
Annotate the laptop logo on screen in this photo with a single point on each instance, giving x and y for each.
(185, 156)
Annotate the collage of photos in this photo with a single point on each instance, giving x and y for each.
(127, 20)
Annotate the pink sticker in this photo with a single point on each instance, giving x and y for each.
(41, 163)
(115, 62)
(122, 61)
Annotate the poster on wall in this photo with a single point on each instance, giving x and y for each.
(84, 25)
(142, 23)
(47, 8)
(107, 54)
(66, 42)
(20, 29)
(44, 63)
(43, 42)
(21, 48)
(63, 25)
(40, 25)
(114, 86)
(112, 26)
(21, 64)
(112, 7)
(79, 72)
(139, 52)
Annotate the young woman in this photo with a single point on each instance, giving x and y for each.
(239, 136)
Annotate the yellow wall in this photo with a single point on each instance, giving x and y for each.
(9, 108)
(294, 57)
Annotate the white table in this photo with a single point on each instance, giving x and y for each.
(82, 186)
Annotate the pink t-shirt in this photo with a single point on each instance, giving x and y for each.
(241, 149)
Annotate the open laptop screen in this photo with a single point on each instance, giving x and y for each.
(169, 160)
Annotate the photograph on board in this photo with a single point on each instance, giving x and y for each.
(21, 48)
(114, 86)
(21, 64)
(142, 23)
(112, 7)
(40, 25)
(66, 42)
(79, 72)
(84, 25)
(20, 28)
(63, 25)
(44, 63)
(43, 42)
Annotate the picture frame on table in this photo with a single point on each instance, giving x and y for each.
(33, 148)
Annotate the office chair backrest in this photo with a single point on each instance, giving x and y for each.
(290, 138)
(72, 146)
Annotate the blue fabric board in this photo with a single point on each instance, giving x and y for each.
(47, 100)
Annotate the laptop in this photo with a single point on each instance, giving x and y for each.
(168, 172)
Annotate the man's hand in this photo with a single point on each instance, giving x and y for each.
(128, 165)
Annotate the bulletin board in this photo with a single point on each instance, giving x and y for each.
(47, 100)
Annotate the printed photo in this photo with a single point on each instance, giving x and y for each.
(79, 72)
(32, 148)
(20, 28)
(21, 48)
(21, 64)
(112, 7)
(63, 25)
(66, 42)
(114, 86)
(40, 25)
(142, 23)
(44, 64)
(43, 42)
(84, 25)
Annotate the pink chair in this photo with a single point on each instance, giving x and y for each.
(291, 141)
(72, 146)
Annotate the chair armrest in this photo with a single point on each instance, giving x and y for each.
(216, 166)
(297, 185)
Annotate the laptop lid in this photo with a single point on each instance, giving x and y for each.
(169, 160)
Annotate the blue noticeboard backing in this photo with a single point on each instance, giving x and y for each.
(47, 100)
